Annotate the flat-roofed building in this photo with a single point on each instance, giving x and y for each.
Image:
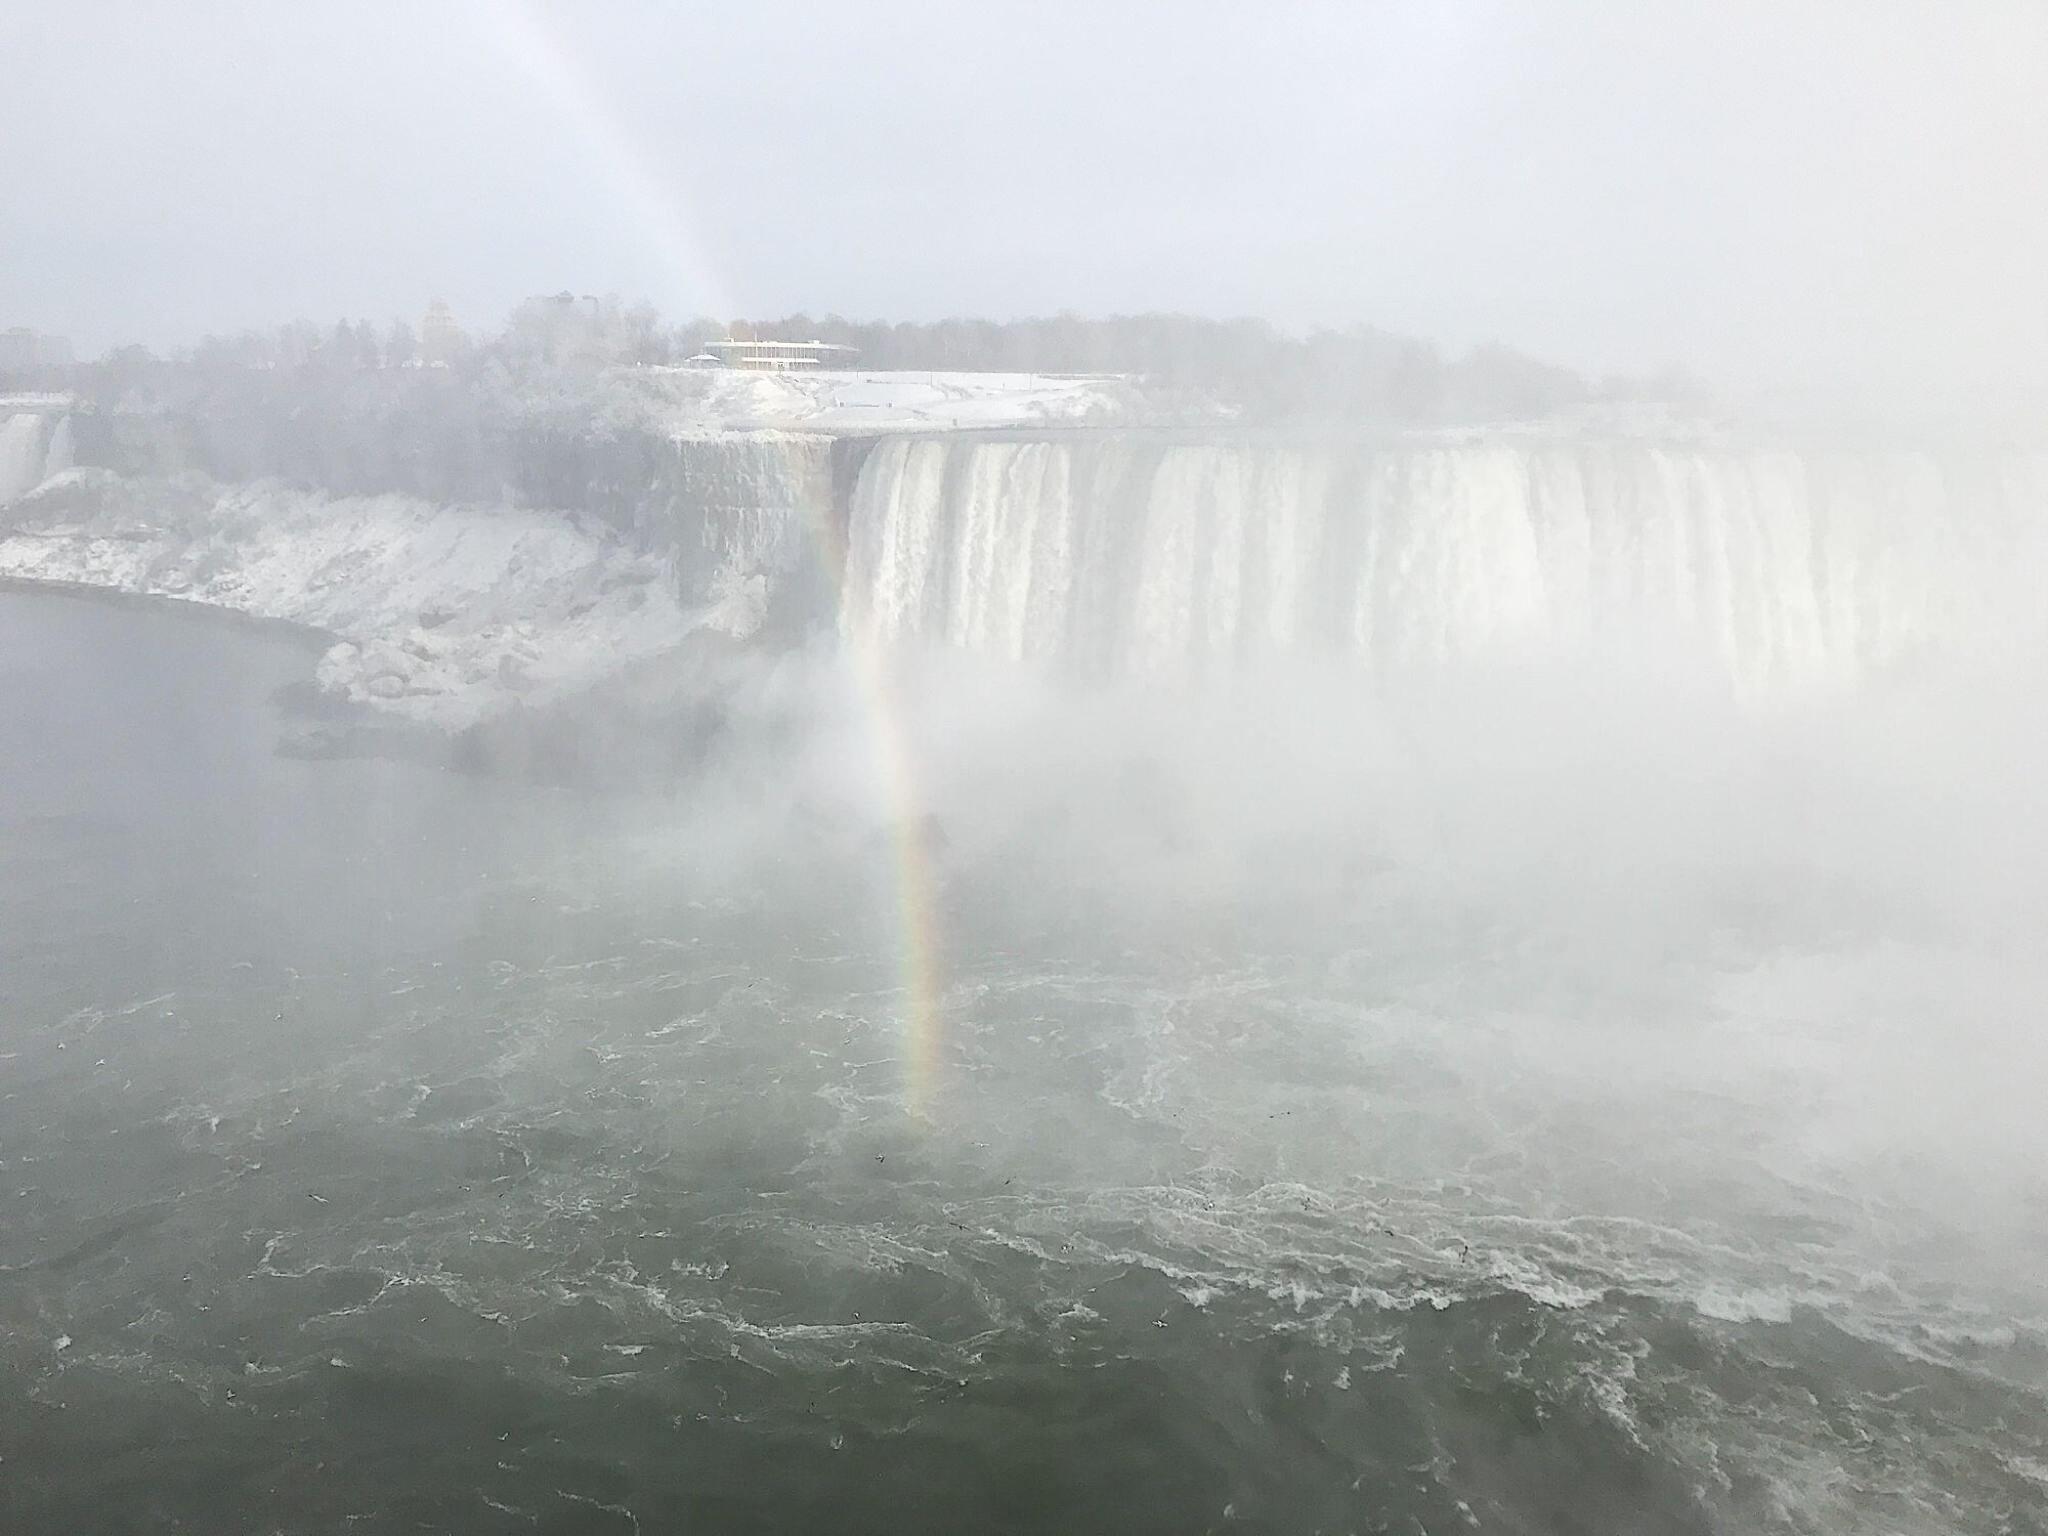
(782, 356)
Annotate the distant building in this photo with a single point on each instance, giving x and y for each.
(441, 339)
(567, 329)
(782, 356)
(566, 302)
(21, 347)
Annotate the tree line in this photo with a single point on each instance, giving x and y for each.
(1247, 368)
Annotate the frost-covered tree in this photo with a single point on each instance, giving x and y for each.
(401, 346)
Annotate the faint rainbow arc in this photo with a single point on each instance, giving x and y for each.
(524, 40)
(918, 925)
(526, 43)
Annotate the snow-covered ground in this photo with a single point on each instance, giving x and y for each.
(441, 615)
(721, 399)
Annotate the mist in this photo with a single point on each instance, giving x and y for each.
(1798, 204)
(1170, 769)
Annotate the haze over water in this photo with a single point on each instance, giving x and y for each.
(1532, 1098)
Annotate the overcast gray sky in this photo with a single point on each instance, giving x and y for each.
(1791, 195)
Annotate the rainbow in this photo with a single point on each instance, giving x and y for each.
(917, 911)
(917, 898)
(523, 39)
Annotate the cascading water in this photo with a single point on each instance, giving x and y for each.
(1120, 554)
(31, 449)
(60, 454)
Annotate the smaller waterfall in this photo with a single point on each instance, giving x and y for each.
(31, 450)
(60, 454)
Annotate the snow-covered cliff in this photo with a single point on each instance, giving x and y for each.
(440, 614)
(447, 613)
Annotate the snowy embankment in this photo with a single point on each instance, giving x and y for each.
(696, 400)
(441, 615)
(445, 615)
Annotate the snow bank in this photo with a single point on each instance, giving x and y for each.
(717, 400)
(442, 615)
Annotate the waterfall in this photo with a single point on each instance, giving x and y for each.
(1118, 554)
(59, 455)
(26, 456)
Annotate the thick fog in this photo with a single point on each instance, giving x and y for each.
(1824, 198)
(1315, 805)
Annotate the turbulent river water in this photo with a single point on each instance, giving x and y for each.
(1531, 1105)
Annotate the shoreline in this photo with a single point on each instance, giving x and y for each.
(314, 724)
(309, 637)
(435, 615)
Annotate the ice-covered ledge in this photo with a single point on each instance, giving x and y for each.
(696, 401)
